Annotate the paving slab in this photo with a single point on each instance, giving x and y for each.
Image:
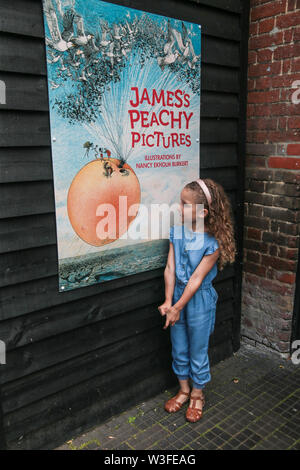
(252, 402)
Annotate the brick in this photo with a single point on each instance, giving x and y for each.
(262, 109)
(285, 201)
(253, 29)
(284, 81)
(263, 96)
(270, 9)
(262, 123)
(261, 149)
(287, 253)
(288, 36)
(260, 174)
(293, 149)
(296, 34)
(280, 109)
(287, 66)
(280, 135)
(260, 136)
(263, 83)
(255, 269)
(277, 213)
(284, 335)
(287, 176)
(278, 263)
(288, 20)
(266, 40)
(294, 122)
(253, 257)
(258, 198)
(283, 227)
(253, 233)
(287, 278)
(284, 162)
(255, 161)
(273, 250)
(292, 50)
(265, 26)
(264, 55)
(296, 65)
(283, 188)
(257, 186)
(258, 70)
(256, 245)
(280, 239)
(252, 57)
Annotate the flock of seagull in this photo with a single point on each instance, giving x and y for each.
(114, 43)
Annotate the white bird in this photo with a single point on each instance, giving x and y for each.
(103, 41)
(116, 34)
(182, 40)
(168, 59)
(170, 41)
(81, 39)
(53, 85)
(56, 41)
(55, 58)
(63, 67)
(111, 54)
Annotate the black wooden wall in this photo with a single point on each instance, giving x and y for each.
(75, 359)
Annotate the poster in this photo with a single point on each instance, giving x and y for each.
(124, 101)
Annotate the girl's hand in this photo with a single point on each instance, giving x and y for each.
(173, 315)
(163, 308)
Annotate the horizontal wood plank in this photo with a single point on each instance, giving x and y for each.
(23, 17)
(21, 164)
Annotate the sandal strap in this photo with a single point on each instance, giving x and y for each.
(183, 393)
(194, 401)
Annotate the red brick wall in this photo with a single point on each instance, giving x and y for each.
(272, 193)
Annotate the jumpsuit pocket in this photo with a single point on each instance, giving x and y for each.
(214, 294)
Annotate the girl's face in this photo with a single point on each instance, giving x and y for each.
(188, 208)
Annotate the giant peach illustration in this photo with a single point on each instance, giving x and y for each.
(99, 183)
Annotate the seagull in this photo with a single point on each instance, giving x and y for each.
(182, 40)
(55, 58)
(168, 59)
(89, 51)
(194, 56)
(56, 42)
(103, 41)
(116, 34)
(62, 65)
(68, 19)
(58, 4)
(81, 39)
(53, 85)
(170, 41)
(111, 54)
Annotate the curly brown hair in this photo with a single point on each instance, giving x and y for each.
(219, 220)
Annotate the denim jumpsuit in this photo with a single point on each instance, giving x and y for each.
(190, 334)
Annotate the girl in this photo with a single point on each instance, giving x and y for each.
(190, 299)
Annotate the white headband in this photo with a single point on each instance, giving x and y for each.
(205, 190)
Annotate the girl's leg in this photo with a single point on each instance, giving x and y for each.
(200, 316)
(180, 350)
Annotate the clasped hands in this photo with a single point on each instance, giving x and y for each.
(172, 313)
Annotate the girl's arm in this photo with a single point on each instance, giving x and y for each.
(169, 274)
(196, 279)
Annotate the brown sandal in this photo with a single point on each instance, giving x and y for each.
(193, 414)
(171, 406)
